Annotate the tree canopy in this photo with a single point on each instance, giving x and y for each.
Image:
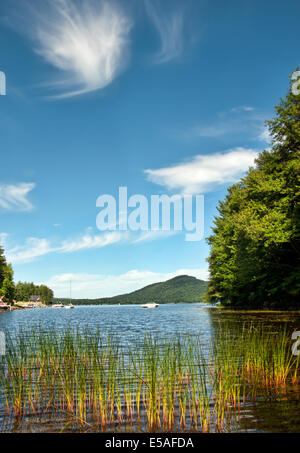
(255, 246)
(24, 290)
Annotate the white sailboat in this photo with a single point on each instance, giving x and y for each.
(70, 305)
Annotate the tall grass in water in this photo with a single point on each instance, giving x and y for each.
(156, 384)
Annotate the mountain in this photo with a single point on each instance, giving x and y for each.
(181, 289)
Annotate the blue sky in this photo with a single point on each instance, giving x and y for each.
(163, 97)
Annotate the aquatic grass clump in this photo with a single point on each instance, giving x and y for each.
(256, 356)
(158, 383)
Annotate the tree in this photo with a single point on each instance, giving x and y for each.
(255, 245)
(8, 287)
(24, 290)
(20, 291)
(3, 266)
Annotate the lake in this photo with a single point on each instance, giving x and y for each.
(278, 413)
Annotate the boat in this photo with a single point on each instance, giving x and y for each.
(57, 306)
(70, 305)
(5, 306)
(149, 306)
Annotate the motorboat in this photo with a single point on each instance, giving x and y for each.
(57, 306)
(149, 306)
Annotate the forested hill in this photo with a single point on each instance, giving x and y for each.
(181, 289)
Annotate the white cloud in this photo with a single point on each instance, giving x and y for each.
(101, 285)
(89, 241)
(150, 235)
(33, 248)
(242, 121)
(37, 247)
(3, 238)
(13, 197)
(204, 172)
(265, 135)
(170, 30)
(86, 41)
(243, 108)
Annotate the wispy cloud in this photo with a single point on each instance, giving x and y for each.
(86, 41)
(37, 247)
(34, 247)
(89, 241)
(3, 238)
(242, 121)
(243, 108)
(170, 29)
(265, 135)
(204, 172)
(13, 197)
(101, 285)
(148, 236)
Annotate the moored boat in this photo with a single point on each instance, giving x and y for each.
(149, 306)
(57, 306)
(70, 305)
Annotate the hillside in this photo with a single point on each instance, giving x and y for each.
(181, 289)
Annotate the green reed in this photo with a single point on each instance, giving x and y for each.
(158, 384)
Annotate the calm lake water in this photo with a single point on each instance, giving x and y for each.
(131, 322)
(126, 320)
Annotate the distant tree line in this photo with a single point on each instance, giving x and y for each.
(20, 291)
(24, 290)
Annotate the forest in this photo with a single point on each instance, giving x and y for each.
(254, 257)
(21, 291)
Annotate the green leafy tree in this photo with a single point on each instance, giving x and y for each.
(255, 245)
(8, 287)
(24, 290)
(3, 266)
(8, 290)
